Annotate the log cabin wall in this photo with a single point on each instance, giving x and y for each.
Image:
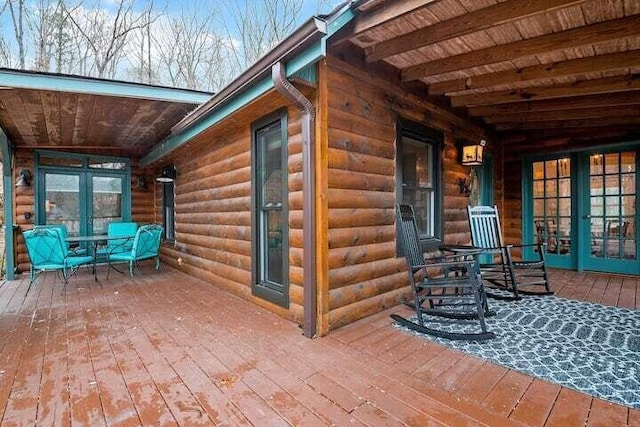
(142, 206)
(365, 276)
(213, 205)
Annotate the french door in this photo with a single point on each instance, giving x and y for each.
(75, 192)
(585, 207)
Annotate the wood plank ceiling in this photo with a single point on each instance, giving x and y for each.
(124, 126)
(520, 66)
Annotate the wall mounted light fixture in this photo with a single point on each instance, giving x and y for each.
(24, 179)
(471, 152)
(167, 175)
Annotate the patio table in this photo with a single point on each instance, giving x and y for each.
(95, 240)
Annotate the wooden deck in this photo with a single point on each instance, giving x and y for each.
(167, 349)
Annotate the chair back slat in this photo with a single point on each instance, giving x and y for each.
(484, 223)
(409, 237)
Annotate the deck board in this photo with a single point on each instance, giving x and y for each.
(164, 348)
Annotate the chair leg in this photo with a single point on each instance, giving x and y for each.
(130, 268)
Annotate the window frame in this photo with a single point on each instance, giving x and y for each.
(422, 133)
(278, 294)
(168, 203)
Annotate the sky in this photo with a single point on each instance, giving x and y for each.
(222, 24)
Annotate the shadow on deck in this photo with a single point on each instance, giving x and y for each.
(166, 348)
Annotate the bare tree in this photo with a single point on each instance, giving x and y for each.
(105, 35)
(16, 8)
(260, 25)
(189, 48)
(51, 35)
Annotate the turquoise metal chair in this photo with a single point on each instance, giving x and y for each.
(114, 245)
(62, 229)
(146, 245)
(47, 253)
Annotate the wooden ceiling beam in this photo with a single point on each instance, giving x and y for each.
(385, 12)
(574, 123)
(581, 113)
(467, 23)
(586, 35)
(590, 64)
(573, 102)
(583, 87)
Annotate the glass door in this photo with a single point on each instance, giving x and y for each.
(611, 213)
(85, 193)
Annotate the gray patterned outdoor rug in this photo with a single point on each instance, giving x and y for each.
(588, 347)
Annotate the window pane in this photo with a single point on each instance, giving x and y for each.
(62, 201)
(102, 164)
(61, 161)
(107, 202)
(418, 181)
(416, 164)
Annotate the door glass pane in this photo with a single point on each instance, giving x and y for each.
(62, 201)
(107, 202)
(613, 206)
(552, 204)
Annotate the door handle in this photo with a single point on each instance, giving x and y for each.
(587, 216)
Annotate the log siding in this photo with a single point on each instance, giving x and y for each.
(365, 275)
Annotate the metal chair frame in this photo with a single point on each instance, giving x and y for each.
(146, 245)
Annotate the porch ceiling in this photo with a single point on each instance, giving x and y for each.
(58, 112)
(519, 66)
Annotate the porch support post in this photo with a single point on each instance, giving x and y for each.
(310, 288)
(7, 188)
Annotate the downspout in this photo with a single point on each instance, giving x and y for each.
(310, 298)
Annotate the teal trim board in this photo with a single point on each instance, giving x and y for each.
(7, 188)
(93, 86)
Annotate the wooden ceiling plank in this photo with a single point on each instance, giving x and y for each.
(587, 101)
(467, 23)
(587, 35)
(582, 113)
(591, 64)
(391, 11)
(51, 113)
(564, 124)
(584, 87)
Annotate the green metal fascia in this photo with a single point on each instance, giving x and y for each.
(58, 83)
(7, 188)
(308, 57)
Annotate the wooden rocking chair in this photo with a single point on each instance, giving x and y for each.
(503, 271)
(447, 287)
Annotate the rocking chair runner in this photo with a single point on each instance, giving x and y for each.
(450, 287)
(503, 271)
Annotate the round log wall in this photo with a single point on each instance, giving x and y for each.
(365, 275)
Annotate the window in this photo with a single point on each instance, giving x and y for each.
(168, 205)
(418, 178)
(270, 240)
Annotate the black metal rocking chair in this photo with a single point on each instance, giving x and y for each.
(445, 287)
(502, 270)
